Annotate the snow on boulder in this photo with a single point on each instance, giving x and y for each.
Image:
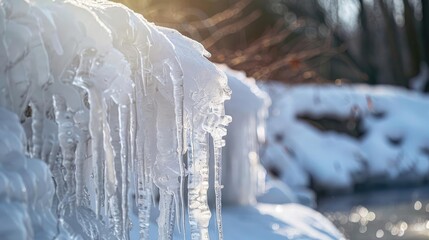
(343, 135)
(281, 167)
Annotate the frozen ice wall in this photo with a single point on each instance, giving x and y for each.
(243, 175)
(112, 104)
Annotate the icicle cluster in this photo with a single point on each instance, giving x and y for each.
(112, 102)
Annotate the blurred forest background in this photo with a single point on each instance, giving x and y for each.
(307, 41)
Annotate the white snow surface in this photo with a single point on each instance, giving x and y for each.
(272, 222)
(393, 149)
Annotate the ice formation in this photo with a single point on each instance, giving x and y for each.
(392, 149)
(26, 188)
(244, 176)
(114, 105)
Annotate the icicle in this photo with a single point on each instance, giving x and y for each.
(67, 141)
(110, 183)
(55, 167)
(166, 167)
(124, 136)
(144, 152)
(144, 203)
(146, 120)
(217, 134)
(115, 214)
(199, 212)
(36, 129)
(141, 61)
(178, 94)
(217, 153)
(49, 134)
(166, 216)
(95, 124)
(81, 119)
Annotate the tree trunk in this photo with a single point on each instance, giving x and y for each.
(412, 40)
(425, 35)
(367, 46)
(394, 46)
(425, 29)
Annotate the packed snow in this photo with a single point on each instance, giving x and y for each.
(388, 144)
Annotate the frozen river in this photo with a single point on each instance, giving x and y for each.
(380, 214)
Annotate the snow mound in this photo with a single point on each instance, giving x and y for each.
(112, 104)
(340, 136)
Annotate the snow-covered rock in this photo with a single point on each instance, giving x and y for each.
(390, 144)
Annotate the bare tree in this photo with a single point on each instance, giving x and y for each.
(303, 40)
(412, 40)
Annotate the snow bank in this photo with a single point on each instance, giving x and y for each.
(274, 222)
(115, 102)
(391, 143)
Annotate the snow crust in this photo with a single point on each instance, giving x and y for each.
(115, 105)
(392, 149)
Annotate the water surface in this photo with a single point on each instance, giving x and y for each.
(380, 214)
